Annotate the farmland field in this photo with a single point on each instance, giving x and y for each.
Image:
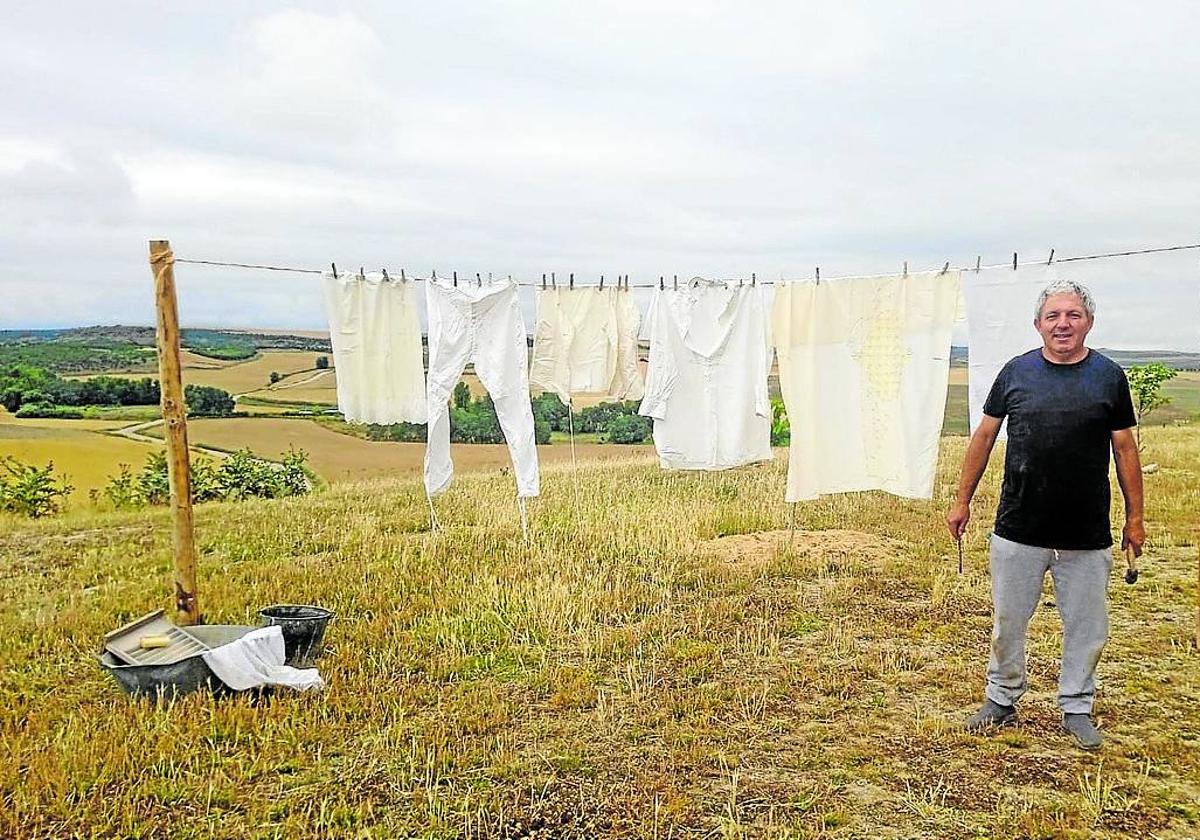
(663, 659)
(338, 458)
(239, 377)
(87, 457)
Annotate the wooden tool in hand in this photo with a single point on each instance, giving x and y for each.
(1131, 572)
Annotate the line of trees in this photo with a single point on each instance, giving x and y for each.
(36, 392)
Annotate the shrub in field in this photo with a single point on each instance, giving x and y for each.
(629, 428)
(242, 475)
(204, 401)
(154, 486)
(322, 363)
(551, 409)
(123, 490)
(49, 410)
(781, 430)
(1145, 383)
(29, 490)
(275, 376)
(597, 417)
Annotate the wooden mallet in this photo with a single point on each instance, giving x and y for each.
(1131, 572)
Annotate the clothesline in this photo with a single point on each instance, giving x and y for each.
(551, 281)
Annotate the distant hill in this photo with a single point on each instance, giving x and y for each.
(131, 349)
(1171, 358)
(194, 339)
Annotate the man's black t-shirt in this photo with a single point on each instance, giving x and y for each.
(1060, 424)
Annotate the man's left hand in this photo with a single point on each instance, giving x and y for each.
(1133, 535)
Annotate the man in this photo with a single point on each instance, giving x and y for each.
(1066, 406)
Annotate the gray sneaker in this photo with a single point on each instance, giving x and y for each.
(1082, 731)
(992, 715)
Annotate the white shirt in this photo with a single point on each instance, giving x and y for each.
(710, 355)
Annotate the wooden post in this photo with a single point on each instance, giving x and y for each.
(174, 412)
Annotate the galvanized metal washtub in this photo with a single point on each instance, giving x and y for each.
(177, 678)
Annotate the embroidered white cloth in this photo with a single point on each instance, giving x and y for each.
(586, 343)
(1000, 314)
(256, 660)
(377, 356)
(863, 366)
(481, 325)
(710, 355)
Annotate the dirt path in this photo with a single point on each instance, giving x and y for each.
(134, 432)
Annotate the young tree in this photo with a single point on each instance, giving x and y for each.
(1145, 382)
(322, 362)
(461, 398)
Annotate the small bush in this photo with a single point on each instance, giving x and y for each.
(781, 430)
(630, 428)
(44, 410)
(31, 491)
(242, 475)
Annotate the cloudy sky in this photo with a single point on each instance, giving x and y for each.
(711, 138)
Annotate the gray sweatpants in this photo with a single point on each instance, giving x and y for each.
(1080, 590)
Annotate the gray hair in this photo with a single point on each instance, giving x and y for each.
(1066, 287)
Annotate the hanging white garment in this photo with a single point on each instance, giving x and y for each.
(376, 338)
(483, 326)
(1000, 314)
(710, 356)
(864, 365)
(582, 344)
(627, 382)
(256, 660)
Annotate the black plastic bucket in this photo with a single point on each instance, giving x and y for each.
(303, 629)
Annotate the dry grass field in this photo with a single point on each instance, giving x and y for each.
(79, 449)
(662, 660)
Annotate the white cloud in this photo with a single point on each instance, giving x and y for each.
(697, 137)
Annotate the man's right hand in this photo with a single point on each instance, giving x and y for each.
(957, 519)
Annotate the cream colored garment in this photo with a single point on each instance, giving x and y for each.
(377, 354)
(710, 354)
(863, 365)
(586, 343)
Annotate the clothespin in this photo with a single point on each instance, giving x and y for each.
(433, 275)
(946, 267)
(361, 274)
(456, 279)
(478, 280)
(1051, 257)
(660, 283)
(334, 267)
(403, 279)
(553, 280)
(978, 260)
(386, 279)
(543, 279)
(571, 282)
(1014, 260)
(906, 268)
(602, 282)
(818, 275)
(675, 280)
(753, 279)
(490, 277)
